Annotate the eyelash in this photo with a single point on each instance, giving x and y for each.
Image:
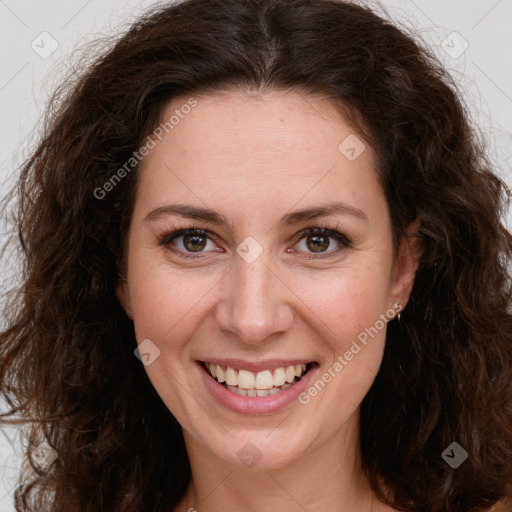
(166, 240)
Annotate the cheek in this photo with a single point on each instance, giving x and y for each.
(165, 302)
(347, 303)
(351, 316)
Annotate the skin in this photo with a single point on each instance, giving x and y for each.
(254, 158)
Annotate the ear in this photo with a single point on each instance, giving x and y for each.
(405, 265)
(123, 296)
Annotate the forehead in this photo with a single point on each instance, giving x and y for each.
(235, 147)
(241, 121)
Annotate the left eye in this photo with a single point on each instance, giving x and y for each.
(317, 240)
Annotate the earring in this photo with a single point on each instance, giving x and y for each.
(397, 307)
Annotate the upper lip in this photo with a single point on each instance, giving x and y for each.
(256, 366)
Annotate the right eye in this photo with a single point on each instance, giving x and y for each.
(192, 240)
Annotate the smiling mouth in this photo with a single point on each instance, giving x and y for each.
(257, 384)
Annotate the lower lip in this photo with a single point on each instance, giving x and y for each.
(254, 405)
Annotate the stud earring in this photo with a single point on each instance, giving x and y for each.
(397, 307)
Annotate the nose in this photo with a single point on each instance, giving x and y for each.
(254, 302)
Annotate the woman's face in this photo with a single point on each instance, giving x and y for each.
(254, 295)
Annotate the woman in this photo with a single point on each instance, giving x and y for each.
(264, 269)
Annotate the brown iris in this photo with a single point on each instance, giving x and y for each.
(198, 242)
(319, 242)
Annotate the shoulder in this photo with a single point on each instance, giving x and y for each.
(504, 505)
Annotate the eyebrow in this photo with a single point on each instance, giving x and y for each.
(207, 215)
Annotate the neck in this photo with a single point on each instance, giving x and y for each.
(326, 477)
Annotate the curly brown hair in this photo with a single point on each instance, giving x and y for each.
(67, 367)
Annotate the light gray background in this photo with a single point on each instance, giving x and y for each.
(28, 75)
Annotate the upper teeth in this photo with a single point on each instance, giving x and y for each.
(259, 380)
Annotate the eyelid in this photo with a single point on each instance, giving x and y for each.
(167, 238)
(340, 238)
